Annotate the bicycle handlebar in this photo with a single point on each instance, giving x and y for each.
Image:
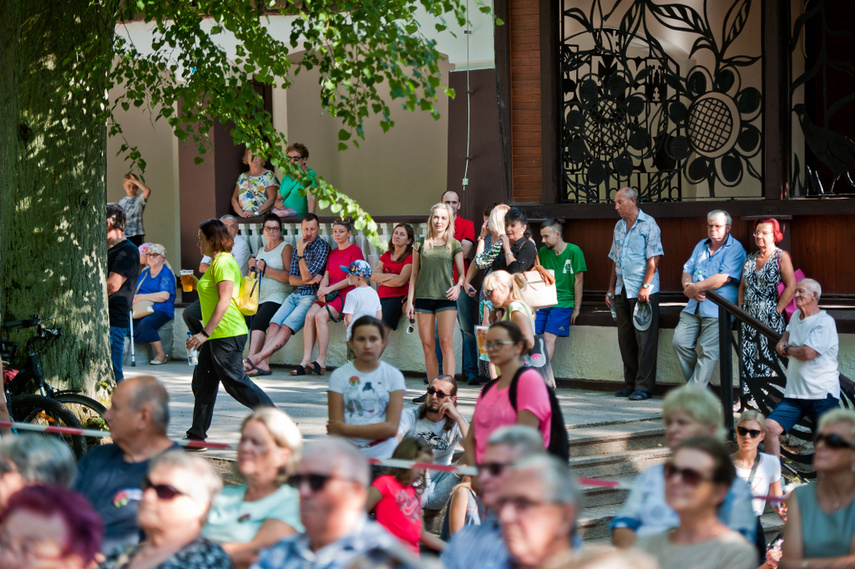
(34, 321)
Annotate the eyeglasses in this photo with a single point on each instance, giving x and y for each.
(498, 344)
(272, 228)
(295, 158)
(439, 394)
(690, 476)
(518, 504)
(152, 254)
(493, 468)
(833, 441)
(761, 233)
(753, 433)
(315, 481)
(164, 491)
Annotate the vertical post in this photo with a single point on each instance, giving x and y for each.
(725, 364)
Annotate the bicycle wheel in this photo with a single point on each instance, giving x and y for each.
(90, 414)
(40, 410)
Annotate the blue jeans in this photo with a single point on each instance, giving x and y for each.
(465, 318)
(117, 349)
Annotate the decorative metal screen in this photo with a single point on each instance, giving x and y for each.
(675, 119)
(822, 98)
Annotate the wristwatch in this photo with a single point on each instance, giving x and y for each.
(647, 285)
(787, 349)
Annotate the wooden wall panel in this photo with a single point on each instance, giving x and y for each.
(823, 246)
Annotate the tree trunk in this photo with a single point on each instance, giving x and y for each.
(52, 181)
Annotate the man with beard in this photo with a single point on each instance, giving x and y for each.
(438, 422)
(567, 263)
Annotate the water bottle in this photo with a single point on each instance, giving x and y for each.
(192, 354)
(612, 308)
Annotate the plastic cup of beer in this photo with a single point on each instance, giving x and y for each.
(481, 337)
(188, 281)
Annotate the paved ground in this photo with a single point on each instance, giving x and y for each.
(305, 399)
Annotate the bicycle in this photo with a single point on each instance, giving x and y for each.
(50, 406)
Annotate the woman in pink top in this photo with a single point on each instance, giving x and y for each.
(331, 295)
(493, 409)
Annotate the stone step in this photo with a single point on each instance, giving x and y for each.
(615, 438)
(619, 464)
(599, 496)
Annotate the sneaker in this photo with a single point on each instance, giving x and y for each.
(625, 392)
(198, 445)
(639, 395)
(420, 399)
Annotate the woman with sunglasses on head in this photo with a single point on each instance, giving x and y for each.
(504, 291)
(697, 479)
(820, 528)
(155, 284)
(273, 263)
(506, 345)
(688, 411)
(264, 509)
(176, 496)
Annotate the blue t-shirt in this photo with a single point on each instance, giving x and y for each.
(163, 282)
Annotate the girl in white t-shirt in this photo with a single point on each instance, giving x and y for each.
(366, 395)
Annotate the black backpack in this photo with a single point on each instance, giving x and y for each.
(559, 443)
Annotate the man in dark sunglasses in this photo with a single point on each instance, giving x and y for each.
(332, 480)
(441, 425)
(813, 382)
(482, 545)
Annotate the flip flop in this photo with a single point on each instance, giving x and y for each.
(299, 370)
(248, 362)
(317, 369)
(259, 372)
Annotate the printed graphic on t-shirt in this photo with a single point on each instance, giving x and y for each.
(362, 402)
(408, 503)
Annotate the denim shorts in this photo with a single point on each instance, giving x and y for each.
(293, 311)
(432, 306)
(790, 411)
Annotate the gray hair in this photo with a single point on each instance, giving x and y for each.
(717, 212)
(228, 216)
(630, 193)
(558, 479)
(285, 433)
(148, 390)
(346, 455)
(40, 459)
(526, 441)
(812, 286)
(206, 482)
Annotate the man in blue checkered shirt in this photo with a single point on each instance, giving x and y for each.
(308, 263)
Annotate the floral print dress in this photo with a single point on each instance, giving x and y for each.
(760, 300)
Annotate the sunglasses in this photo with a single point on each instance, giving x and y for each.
(412, 327)
(494, 468)
(833, 441)
(163, 491)
(316, 482)
(690, 476)
(439, 394)
(753, 433)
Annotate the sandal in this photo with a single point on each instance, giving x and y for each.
(258, 372)
(317, 369)
(157, 362)
(248, 365)
(299, 370)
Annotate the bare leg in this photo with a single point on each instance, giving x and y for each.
(158, 350)
(322, 321)
(550, 344)
(773, 431)
(425, 322)
(275, 341)
(446, 321)
(256, 342)
(309, 331)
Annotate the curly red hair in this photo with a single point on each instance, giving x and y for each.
(776, 227)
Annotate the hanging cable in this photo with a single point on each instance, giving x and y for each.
(468, 33)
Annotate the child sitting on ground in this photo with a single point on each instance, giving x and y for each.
(363, 300)
(396, 497)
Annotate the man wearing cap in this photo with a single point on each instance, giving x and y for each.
(362, 300)
(716, 265)
(634, 290)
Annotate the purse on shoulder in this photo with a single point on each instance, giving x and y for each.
(540, 291)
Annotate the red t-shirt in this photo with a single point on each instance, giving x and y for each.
(463, 229)
(338, 258)
(399, 511)
(394, 268)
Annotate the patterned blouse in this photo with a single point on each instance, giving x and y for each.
(198, 554)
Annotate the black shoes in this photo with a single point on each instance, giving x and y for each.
(639, 395)
(625, 392)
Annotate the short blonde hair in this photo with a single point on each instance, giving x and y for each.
(285, 433)
(839, 415)
(696, 402)
(753, 415)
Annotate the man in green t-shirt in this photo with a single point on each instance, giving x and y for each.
(568, 264)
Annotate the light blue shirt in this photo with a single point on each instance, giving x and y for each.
(631, 250)
(728, 259)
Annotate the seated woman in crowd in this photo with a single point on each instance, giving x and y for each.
(156, 284)
(331, 296)
(247, 518)
(30, 459)
(366, 395)
(49, 526)
(432, 296)
(176, 496)
(688, 411)
(256, 189)
(273, 262)
(697, 479)
(392, 274)
(493, 409)
(821, 515)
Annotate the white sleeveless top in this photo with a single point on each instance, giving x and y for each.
(271, 289)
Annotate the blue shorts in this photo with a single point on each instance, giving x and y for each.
(790, 411)
(432, 306)
(554, 320)
(293, 311)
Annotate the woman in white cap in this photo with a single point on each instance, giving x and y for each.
(156, 284)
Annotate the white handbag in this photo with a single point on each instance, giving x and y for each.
(540, 291)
